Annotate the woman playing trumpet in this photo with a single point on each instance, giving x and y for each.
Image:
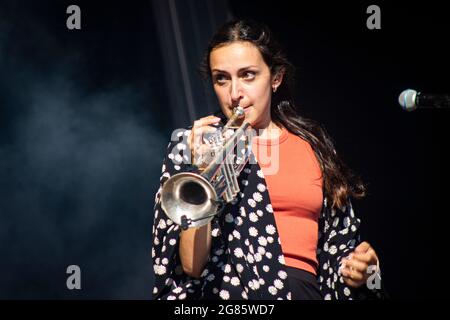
(292, 232)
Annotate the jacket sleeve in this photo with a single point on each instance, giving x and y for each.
(338, 236)
(170, 280)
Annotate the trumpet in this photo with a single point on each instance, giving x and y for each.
(193, 199)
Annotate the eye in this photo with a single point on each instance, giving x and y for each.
(249, 75)
(219, 78)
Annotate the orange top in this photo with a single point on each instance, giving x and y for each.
(294, 181)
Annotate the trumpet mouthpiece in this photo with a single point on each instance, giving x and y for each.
(238, 111)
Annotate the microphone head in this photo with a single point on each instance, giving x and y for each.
(407, 99)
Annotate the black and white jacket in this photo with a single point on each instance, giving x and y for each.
(246, 260)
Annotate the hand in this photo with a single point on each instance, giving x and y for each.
(354, 267)
(195, 141)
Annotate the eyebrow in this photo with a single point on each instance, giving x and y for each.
(241, 69)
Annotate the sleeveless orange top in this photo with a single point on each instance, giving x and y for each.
(294, 181)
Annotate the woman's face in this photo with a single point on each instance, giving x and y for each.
(241, 77)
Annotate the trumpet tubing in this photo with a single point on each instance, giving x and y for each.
(193, 199)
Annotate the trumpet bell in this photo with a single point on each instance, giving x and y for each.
(187, 197)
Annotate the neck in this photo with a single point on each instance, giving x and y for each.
(271, 131)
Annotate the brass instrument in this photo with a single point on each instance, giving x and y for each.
(193, 199)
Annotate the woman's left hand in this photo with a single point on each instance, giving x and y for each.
(354, 267)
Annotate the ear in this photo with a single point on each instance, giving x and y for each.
(277, 79)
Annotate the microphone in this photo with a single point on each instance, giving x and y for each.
(411, 100)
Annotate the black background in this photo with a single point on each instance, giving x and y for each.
(83, 127)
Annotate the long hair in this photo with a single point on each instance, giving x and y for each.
(339, 182)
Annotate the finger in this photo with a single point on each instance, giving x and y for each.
(205, 121)
(202, 135)
(202, 155)
(203, 149)
(370, 257)
(207, 131)
(363, 247)
(352, 274)
(373, 255)
(363, 257)
(198, 129)
(356, 265)
(351, 283)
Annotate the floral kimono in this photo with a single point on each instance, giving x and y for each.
(246, 260)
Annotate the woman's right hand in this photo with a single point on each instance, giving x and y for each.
(197, 145)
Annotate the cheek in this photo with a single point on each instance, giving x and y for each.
(219, 93)
(261, 99)
(222, 98)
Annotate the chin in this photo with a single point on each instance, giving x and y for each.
(251, 118)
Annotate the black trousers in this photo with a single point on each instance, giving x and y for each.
(303, 284)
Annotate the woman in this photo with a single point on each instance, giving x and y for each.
(292, 233)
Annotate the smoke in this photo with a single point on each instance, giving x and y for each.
(78, 170)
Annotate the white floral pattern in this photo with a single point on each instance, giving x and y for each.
(234, 233)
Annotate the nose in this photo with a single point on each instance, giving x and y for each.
(236, 92)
